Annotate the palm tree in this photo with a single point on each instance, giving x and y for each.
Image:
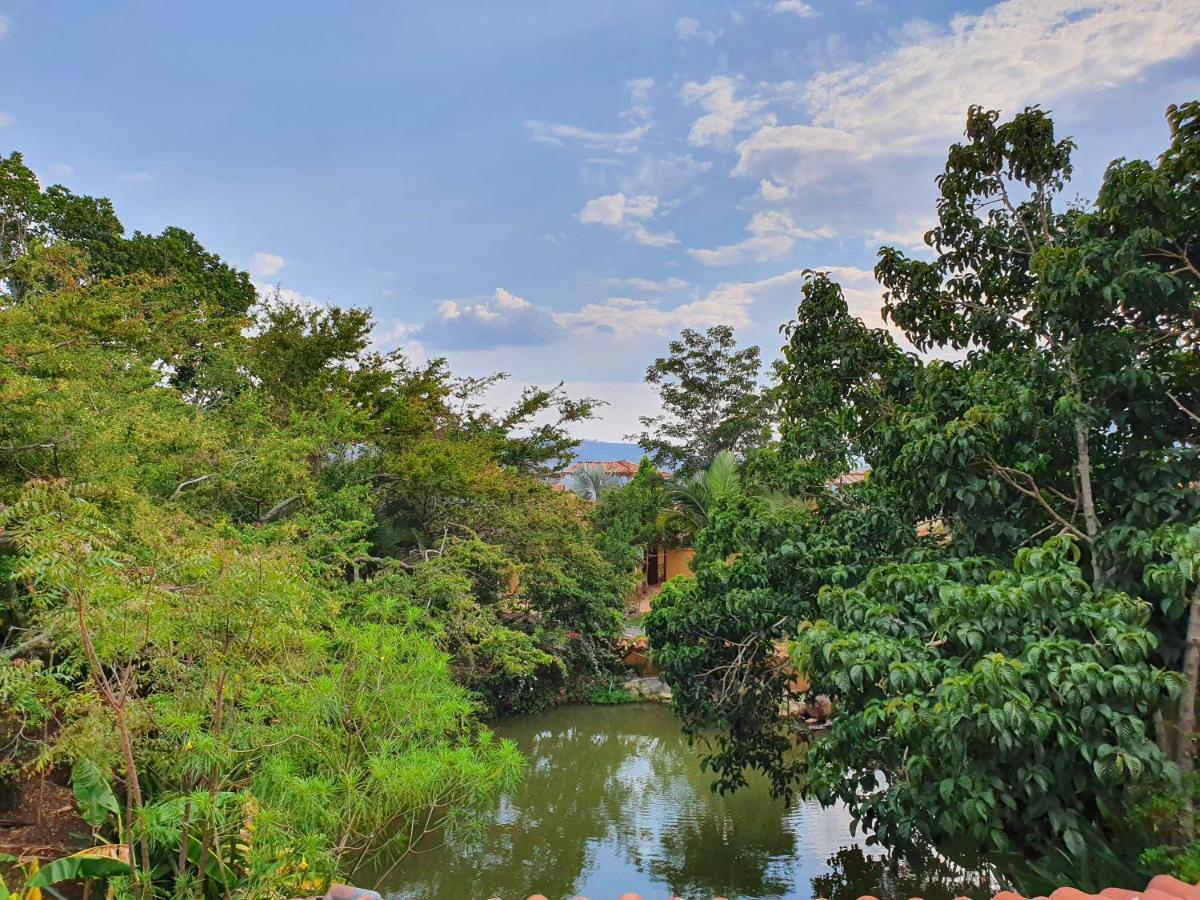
(590, 481)
(689, 502)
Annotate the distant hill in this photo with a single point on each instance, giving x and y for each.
(608, 451)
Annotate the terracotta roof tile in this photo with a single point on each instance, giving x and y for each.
(1161, 887)
(622, 468)
(1169, 885)
(1070, 893)
(1152, 893)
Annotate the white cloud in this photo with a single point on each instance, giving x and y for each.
(626, 317)
(142, 176)
(660, 174)
(689, 29)
(559, 135)
(772, 192)
(910, 236)
(626, 214)
(264, 265)
(648, 238)
(773, 233)
(615, 209)
(62, 169)
(640, 91)
(798, 155)
(5, 27)
(912, 99)
(803, 10)
(503, 320)
(724, 112)
(729, 303)
(6, 119)
(398, 336)
(650, 286)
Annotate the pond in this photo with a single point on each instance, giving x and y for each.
(614, 801)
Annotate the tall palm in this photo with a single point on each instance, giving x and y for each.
(688, 502)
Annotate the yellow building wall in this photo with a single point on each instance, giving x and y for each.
(679, 561)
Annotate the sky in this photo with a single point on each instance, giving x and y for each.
(555, 189)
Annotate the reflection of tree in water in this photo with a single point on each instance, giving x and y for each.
(705, 844)
(567, 800)
(618, 789)
(896, 876)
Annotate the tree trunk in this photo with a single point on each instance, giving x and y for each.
(117, 705)
(1091, 523)
(1083, 456)
(1187, 712)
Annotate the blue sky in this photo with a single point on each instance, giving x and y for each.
(554, 189)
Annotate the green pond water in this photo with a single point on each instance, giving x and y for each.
(614, 801)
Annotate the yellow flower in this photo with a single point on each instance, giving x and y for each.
(303, 867)
(188, 746)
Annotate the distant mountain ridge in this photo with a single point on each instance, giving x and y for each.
(608, 451)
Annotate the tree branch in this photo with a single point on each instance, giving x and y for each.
(279, 510)
(191, 482)
(1183, 409)
(1024, 483)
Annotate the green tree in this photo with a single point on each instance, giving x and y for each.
(262, 582)
(839, 378)
(625, 518)
(711, 400)
(928, 600)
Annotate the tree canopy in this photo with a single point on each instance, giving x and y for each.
(259, 581)
(1000, 611)
(711, 401)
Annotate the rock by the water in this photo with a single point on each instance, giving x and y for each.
(649, 688)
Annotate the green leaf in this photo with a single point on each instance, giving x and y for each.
(93, 794)
(1075, 843)
(80, 865)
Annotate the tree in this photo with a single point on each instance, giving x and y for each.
(1006, 708)
(711, 398)
(1087, 320)
(625, 518)
(839, 378)
(1002, 583)
(262, 582)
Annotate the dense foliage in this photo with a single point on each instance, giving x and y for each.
(1006, 612)
(259, 578)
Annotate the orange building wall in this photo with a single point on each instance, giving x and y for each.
(679, 561)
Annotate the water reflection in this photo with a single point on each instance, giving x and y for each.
(614, 801)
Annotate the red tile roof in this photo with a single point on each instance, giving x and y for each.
(622, 468)
(848, 478)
